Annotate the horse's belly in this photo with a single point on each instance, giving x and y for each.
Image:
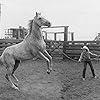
(24, 55)
(23, 52)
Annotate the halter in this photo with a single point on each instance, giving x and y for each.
(36, 23)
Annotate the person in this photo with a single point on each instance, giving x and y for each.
(85, 58)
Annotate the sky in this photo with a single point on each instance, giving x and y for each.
(82, 16)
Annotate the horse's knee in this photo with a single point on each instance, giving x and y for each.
(8, 73)
(9, 70)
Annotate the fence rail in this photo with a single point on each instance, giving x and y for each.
(72, 49)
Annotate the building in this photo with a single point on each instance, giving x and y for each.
(16, 33)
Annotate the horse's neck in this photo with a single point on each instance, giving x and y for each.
(35, 34)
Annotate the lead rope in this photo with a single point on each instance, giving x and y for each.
(63, 52)
(97, 59)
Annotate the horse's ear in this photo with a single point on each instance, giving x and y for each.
(36, 14)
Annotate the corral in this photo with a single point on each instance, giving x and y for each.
(56, 47)
(59, 48)
(62, 84)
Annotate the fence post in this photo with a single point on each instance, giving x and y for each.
(65, 40)
(72, 36)
(46, 36)
(18, 34)
(55, 38)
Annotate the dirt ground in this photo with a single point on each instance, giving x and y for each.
(64, 83)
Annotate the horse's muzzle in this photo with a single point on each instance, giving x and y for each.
(48, 24)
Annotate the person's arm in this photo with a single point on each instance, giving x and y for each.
(93, 54)
(81, 56)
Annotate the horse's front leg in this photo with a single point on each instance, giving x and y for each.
(49, 57)
(49, 69)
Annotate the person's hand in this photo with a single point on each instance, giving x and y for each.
(98, 56)
(79, 60)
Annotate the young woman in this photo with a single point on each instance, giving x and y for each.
(85, 58)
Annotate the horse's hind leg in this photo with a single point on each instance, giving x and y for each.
(15, 67)
(7, 76)
(9, 63)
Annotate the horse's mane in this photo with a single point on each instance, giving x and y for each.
(29, 28)
(30, 25)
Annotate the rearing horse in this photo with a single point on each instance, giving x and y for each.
(32, 46)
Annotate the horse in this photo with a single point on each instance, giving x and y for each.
(33, 45)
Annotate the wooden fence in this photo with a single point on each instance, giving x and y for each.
(7, 42)
(55, 48)
(72, 48)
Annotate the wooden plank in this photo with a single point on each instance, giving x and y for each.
(76, 42)
(10, 40)
(80, 45)
(55, 27)
(5, 45)
(97, 49)
(82, 41)
(79, 51)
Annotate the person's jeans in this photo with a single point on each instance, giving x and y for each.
(85, 66)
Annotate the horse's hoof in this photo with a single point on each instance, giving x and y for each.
(15, 87)
(48, 72)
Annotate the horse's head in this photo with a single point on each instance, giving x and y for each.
(41, 21)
